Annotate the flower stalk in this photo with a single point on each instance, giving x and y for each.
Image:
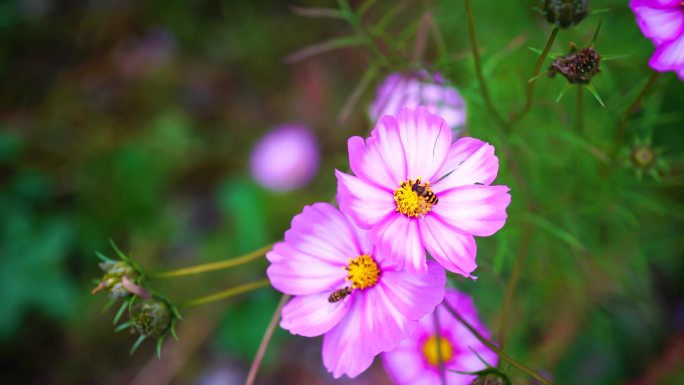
(254, 368)
(535, 74)
(478, 66)
(233, 291)
(220, 265)
(634, 106)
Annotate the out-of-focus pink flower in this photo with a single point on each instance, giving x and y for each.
(285, 158)
(418, 191)
(416, 360)
(662, 21)
(347, 289)
(419, 89)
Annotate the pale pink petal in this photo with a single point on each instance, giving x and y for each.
(413, 295)
(659, 24)
(469, 161)
(380, 159)
(344, 347)
(426, 139)
(454, 251)
(293, 271)
(398, 238)
(669, 56)
(476, 210)
(312, 315)
(364, 202)
(405, 365)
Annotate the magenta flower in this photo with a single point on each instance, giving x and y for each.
(285, 158)
(347, 289)
(417, 191)
(415, 89)
(662, 21)
(416, 360)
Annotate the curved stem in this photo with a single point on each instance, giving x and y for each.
(478, 66)
(254, 368)
(214, 265)
(229, 293)
(634, 106)
(537, 68)
(512, 284)
(495, 348)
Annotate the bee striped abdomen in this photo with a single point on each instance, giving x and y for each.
(339, 295)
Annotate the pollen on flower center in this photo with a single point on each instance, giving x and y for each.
(433, 355)
(414, 199)
(363, 272)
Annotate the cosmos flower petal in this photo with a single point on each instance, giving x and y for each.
(380, 159)
(343, 347)
(399, 239)
(364, 202)
(312, 315)
(469, 161)
(426, 139)
(453, 250)
(414, 294)
(405, 368)
(293, 271)
(476, 210)
(669, 56)
(658, 23)
(658, 3)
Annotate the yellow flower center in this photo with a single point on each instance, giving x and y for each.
(363, 272)
(436, 348)
(414, 199)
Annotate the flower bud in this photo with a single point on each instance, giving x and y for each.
(114, 277)
(491, 376)
(579, 66)
(566, 13)
(643, 156)
(151, 317)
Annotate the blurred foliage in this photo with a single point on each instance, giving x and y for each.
(134, 121)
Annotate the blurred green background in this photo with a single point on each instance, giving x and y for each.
(134, 121)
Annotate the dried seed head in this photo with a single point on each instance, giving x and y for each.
(579, 66)
(566, 13)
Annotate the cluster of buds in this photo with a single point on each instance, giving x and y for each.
(150, 315)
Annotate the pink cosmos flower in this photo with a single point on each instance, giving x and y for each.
(347, 289)
(416, 360)
(418, 191)
(285, 158)
(662, 21)
(415, 89)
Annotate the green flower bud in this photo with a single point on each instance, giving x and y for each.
(151, 317)
(491, 376)
(643, 156)
(113, 277)
(565, 13)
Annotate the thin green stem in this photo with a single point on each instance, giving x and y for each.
(580, 109)
(229, 293)
(478, 67)
(358, 28)
(495, 348)
(254, 368)
(227, 264)
(537, 68)
(520, 257)
(634, 106)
